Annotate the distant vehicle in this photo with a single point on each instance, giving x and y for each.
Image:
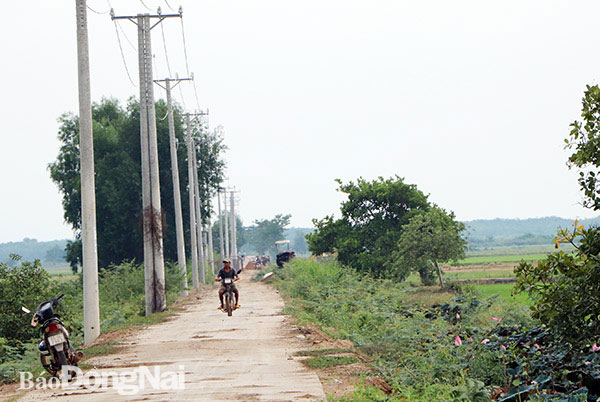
(286, 255)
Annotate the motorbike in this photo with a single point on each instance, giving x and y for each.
(55, 348)
(228, 296)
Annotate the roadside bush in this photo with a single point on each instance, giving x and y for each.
(26, 284)
(566, 286)
(411, 345)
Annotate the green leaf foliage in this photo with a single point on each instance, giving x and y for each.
(429, 238)
(584, 140)
(118, 178)
(566, 287)
(265, 232)
(372, 218)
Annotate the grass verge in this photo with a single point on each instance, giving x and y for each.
(425, 344)
(321, 362)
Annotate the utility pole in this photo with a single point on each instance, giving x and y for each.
(192, 199)
(234, 255)
(222, 244)
(211, 255)
(175, 176)
(199, 218)
(227, 254)
(195, 194)
(154, 264)
(91, 309)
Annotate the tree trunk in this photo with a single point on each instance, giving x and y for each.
(439, 271)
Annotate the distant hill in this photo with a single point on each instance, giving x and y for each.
(481, 233)
(31, 249)
(519, 232)
(517, 227)
(488, 232)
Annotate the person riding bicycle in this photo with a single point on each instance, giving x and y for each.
(227, 272)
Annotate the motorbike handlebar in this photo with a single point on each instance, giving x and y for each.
(56, 300)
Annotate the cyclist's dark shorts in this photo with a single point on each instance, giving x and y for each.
(224, 289)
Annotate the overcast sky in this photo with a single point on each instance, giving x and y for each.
(470, 100)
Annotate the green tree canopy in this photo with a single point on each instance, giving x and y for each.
(429, 238)
(584, 140)
(566, 286)
(118, 178)
(266, 232)
(367, 234)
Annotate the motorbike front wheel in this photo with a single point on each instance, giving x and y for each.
(228, 304)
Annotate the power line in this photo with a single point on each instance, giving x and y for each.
(97, 12)
(126, 37)
(187, 67)
(168, 5)
(154, 64)
(182, 98)
(123, 55)
(187, 64)
(162, 29)
(196, 94)
(144, 4)
(165, 116)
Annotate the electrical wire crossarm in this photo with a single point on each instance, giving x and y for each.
(176, 80)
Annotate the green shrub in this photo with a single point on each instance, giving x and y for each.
(25, 285)
(566, 287)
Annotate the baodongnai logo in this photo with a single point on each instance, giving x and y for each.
(126, 382)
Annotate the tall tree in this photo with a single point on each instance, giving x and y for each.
(118, 178)
(372, 218)
(209, 148)
(429, 238)
(267, 231)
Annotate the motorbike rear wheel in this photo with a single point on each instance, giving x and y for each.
(47, 365)
(63, 361)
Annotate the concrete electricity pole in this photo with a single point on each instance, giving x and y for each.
(91, 309)
(221, 242)
(175, 175)
(195, 194)
(192, 199)
(234, 255)
(211, 255)
(154, 264)
(199, 218)
(227, 254)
